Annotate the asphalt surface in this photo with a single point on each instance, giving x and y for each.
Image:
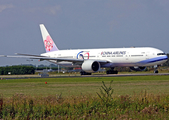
(74, 75)
(122, 75)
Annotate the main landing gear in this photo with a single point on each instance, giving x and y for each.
(112, 71)
(85, 73)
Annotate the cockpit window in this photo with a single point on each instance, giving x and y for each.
(161, 54)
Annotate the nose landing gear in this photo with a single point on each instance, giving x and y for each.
(155, 69)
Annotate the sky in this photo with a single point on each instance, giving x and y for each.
(76, 24)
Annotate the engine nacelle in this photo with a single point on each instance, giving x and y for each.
(138, 68)
(90, 66)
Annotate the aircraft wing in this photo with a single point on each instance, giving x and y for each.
(2, 56)
(29, 56)
(46, 58)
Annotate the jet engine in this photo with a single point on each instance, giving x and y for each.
(90, 66)
(138, 68)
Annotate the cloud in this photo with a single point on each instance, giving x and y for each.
(3, 7)
(53, 10)
(113, 24)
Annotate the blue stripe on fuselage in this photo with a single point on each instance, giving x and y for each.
(156, 59)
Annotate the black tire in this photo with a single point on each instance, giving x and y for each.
(155, 71)
(85, 73)
(111, 72)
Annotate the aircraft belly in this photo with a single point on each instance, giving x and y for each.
(153, 61)
(67, 64)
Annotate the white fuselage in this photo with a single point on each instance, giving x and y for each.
(141, 56)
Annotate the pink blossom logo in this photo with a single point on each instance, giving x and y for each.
(48, 43)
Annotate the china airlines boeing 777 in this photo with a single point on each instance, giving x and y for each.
(91, 60)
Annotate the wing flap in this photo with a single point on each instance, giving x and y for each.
(29, 55)
(46, 58)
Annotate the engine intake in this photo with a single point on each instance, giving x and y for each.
(90, 66)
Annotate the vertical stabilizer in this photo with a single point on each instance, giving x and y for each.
(47, 40)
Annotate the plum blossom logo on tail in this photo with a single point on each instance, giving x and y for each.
(48, 43)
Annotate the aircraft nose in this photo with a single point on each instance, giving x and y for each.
(166, 57)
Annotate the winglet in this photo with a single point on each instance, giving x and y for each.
(48, 42)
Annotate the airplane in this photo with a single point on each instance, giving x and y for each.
(92, 60)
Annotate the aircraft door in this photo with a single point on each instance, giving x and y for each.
(147, 55)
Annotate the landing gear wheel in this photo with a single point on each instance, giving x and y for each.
(84, 73)
(112, 72)
(155, 71)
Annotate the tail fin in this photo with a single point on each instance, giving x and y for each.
(48, 42)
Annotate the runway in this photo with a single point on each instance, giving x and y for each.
(123, 75)
(77, 75)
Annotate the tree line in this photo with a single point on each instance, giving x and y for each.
(17, 70)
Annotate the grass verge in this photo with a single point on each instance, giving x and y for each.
(88, 85)
(137, 106)
(133, 97)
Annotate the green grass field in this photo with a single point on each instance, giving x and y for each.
(136, 97)
(84, 85)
